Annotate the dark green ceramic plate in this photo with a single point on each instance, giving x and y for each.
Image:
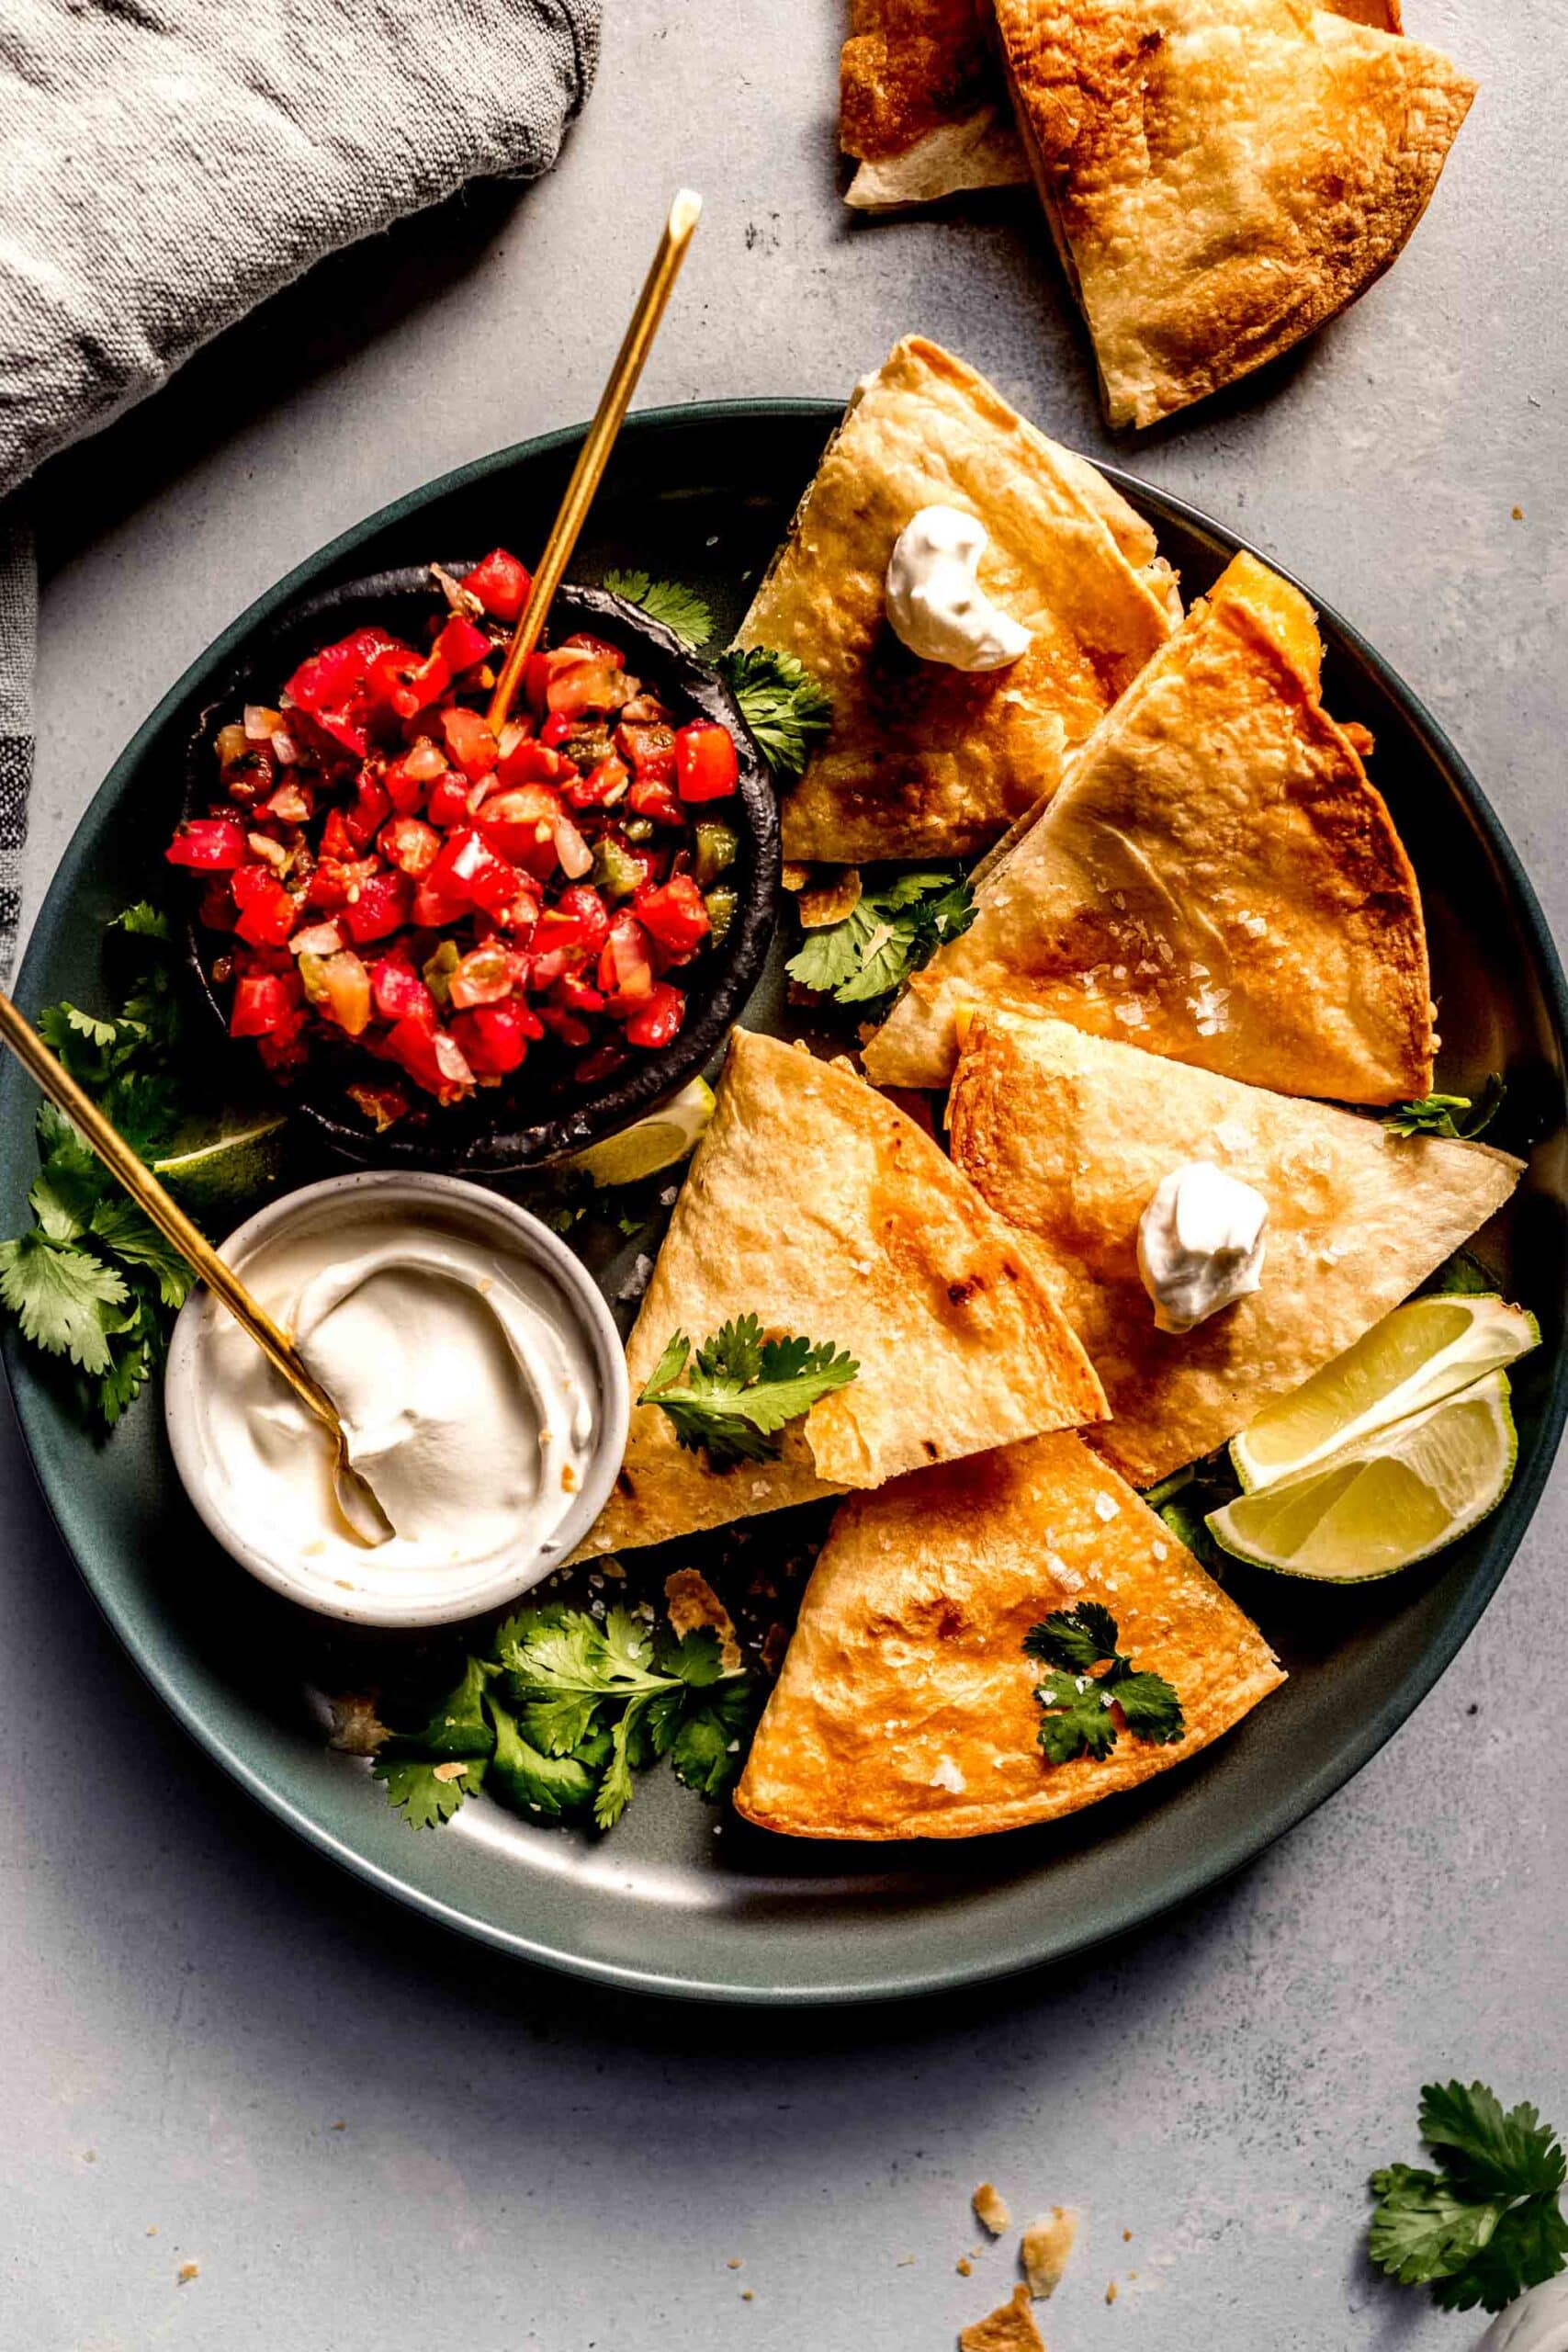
(665, 1903)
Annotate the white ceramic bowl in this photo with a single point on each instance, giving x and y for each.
(402, 1595)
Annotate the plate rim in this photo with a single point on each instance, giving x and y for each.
(1050, 1946)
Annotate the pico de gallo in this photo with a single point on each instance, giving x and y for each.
(428, 904)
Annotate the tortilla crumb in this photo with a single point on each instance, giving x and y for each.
(453, 1769)
(1045, 2249)
(1009, 2328)
(775, 1642)
(186, 2272)
(1111, 2291)
(747, 2296)
(358, 1729)
(734, 2263)
(1519, 514)
(693, 1603)
(1127, 2237)
(991, 2209)
(964, 2267)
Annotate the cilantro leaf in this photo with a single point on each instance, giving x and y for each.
(1509, 2154)
(1489, 2224)
(1083, 1707)
(143, 921)
(885, 936)
(122, 1229)
(1462, 1275)
(786, 710)
(59, 1296)
(680, 609)
(1446, 1114)
(552, 1783)
(427, 1793)
(733, 1398)
(706, 1750)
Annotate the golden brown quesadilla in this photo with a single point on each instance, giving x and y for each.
(1222, 176)
(922, 759)
(1216, 880)
(1067, 1137)
(905, 1707)
(815, 1204)
(923, 105)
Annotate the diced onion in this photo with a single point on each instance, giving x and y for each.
(261, 722)
(573, 851)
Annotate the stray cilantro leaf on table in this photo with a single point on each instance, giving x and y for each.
(1489, 2224)
(786, 710)
(890, 934)
(1455, 1116)
(1081, 1703)
(680, 609)
(731, 1398)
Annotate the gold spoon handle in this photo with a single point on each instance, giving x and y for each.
(594, 455)
(165, 1213)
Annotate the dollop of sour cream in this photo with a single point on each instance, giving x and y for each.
(464, 1385)
(935, 602)
(1537, 2322)
(1201, 1244)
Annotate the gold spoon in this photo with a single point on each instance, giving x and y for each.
(362, 1513)
(594, 455)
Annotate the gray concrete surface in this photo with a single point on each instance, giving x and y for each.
(214, 2048)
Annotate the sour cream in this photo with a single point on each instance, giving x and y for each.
(1201, 1244)
(470, 1379)
(935, 602)
(1537, 2322)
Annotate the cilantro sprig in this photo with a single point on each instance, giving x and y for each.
(787, 710)
(890, 934)
(1081, 1703)
(680, 609)
(1488, 2222)
(93, 1282)
(1456, 1116)
(733, 1396)
(561, 1714)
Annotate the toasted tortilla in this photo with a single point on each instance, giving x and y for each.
(922, 103)
(815, 1204)
(923, 760)
(1216, 880)
(905, 1707)
(1067, 1135)
(1222, 176)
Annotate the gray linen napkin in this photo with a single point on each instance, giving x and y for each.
(166, 165)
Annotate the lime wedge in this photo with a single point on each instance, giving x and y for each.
(1398, 1496)
(1426, 1350)
(224, 1167)
(671, 1135)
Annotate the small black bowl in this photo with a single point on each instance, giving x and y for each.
(490, 1134)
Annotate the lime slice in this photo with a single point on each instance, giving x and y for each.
(222, 1168)
(1425, 1350)
(1394, 1499)
(669, 1136)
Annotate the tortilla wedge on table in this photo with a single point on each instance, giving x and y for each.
(1216, 880)
(1067, 1135)
(922, 104)
(817, 1206)
(1222, 176)
(923, 760)
(906, 1705)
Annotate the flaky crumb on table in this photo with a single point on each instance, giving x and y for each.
(1044, 2250)
(991, 2208)
(1009, 2328)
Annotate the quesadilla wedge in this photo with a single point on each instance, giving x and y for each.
(1216, 880)
(1222, 176)
(922, 759)
(815, 1206)
(906, 1707)
(1067, 1135)
(922, 104)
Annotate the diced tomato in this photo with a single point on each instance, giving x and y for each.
(706, 766)
(291, 804)
(557, 729)
(533, 762)
(582, 641)
(602, 785)
(485, 975)
(383, 905)
(470, 741)
(208, 845)
(578, 922)
(567, 1026)
(216, 911)
(448, 803)
(433, 911)
(462, 646)
(521, 825)
(398, 992)
(333, 686)
(317, 939)
(401, 683)
(264, 1004)
(370, 811)
(501, 583)
(675, 915)
(649, 747)
(432, 1058)
(659, 1019)
(267, 913)
(469, 868)
(583, 674)
(626, 968)
(335, 878)
(336, 841)
(647, 798)
(495, 1037)
(339, 988)
(577, 994)
(410, 844)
